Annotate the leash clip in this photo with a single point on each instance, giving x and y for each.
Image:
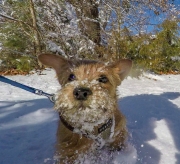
(38, 92)
(41, 93)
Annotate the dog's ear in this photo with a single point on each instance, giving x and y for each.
(57, 62)
(54, 61)
(123, 67)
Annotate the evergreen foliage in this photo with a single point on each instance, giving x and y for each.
(159, 54)
(16, 37)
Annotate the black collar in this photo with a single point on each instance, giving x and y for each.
(66, 124)
(100, 130)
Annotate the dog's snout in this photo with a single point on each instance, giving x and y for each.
(82, 93)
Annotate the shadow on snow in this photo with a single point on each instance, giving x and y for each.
(27, 131)
(140, 111)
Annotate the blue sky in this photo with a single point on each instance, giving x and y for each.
(153, 19)
(177, 2)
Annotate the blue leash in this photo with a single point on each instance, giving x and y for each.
(27, 88)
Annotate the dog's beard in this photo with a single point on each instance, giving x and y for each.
(85, 115)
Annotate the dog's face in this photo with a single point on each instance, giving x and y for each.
(88, 94)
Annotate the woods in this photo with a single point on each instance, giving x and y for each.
(146, 32)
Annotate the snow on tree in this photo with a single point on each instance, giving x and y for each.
(96, 29)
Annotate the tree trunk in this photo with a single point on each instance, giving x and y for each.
(37, 40)
(88, 15)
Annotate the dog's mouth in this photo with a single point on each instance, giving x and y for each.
(83, 106)
(83, 114)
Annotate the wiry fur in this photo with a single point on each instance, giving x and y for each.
(87, 116)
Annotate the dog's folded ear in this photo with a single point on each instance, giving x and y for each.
(51, 60)
(123, 67)
(60, 64)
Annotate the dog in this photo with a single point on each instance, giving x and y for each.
(87, 105)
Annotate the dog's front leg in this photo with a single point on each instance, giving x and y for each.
(120, 133)
(70, 145)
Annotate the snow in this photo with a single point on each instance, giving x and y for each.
(151, 105)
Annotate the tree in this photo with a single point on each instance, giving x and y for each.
(22, 14)
(168, 46)
(88, 14)
(101, 20)
(97, 29)
(37, 39)
(158, 52)
(16, 36)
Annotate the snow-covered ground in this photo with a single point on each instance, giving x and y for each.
(151, 105)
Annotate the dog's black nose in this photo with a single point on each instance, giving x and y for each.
(82, 93)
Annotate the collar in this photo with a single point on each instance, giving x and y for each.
(100, 129)
(66, 124)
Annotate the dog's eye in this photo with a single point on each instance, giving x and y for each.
(71, 77)
(103, 79)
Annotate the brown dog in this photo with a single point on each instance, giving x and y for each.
(87, 105)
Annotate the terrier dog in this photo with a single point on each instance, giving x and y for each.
(87, 105)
